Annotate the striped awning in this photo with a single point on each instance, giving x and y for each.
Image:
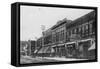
(43, 50)
(46, 50)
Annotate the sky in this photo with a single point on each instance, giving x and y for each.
(33, 17)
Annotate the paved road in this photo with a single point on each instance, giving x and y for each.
(35, 60)
(27, 59)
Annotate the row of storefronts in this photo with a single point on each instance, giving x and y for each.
(75, 49)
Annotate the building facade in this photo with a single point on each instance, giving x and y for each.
(82, 31)
(59, 37)
(33, 46)
(70, 38)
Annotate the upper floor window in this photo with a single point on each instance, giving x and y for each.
(74, 31)
(79, 29)
(86, 27)
(90, 27)
(83, 28)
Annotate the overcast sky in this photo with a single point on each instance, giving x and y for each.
(32, 17)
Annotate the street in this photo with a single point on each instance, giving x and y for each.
(28, 59)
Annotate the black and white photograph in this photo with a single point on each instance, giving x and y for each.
(52, 34)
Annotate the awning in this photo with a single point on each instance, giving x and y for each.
(43, 50)
(46, 50)
(92, 47)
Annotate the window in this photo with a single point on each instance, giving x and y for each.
(57, 37)
(83, 29)
(93, 27)
(90, 27)
(75, 31)
(62, 34)
(54, 37)
(80, 30)
(72, 31)
(86, 27)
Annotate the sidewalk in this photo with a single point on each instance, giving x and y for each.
(51, 58)
(64, 59)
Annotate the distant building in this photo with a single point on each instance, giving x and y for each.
(47, 37)
(46, 43)
(33, 46)
(38, 44)
(25, 48)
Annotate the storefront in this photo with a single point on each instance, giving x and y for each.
(71, 49)
(59, 50)
(91, 51)
(80, 49)
(84, 45)
(46, 51)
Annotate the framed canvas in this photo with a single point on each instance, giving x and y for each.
(45, 34)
